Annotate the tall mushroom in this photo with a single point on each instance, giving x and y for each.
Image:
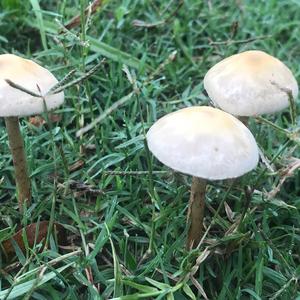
(206, 143)
(250, 83)
(15, 103)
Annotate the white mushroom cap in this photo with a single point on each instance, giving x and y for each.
(250, 83)
(29, 75)
(204, 142)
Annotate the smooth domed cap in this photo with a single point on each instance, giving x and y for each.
(29, 75)
(250, 83)
(204, 142)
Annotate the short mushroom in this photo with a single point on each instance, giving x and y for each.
(208, 144)
(15, 103)
(250, 83)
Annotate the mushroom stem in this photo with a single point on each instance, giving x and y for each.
(16, 145)
(196, 212)
(244, 120)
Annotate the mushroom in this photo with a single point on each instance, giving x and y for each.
(250, 83)
(15, 103)
(208, 144)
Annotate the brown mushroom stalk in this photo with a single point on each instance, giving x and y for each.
(196, 212)
(16, 145)
(244, 120)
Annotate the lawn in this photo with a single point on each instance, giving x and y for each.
(107, 219)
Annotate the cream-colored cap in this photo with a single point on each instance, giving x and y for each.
(250, 83)
(204, 142)
(29, 75)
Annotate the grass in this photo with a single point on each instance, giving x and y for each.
(123, 213)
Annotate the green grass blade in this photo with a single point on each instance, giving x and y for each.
(40, 22)
(23, 288)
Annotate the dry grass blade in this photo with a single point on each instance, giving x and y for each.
(265, 160)
(245, 41)
(105, 114)
(21, 88)
(199, 287)
(286, 172)
(62, 82)
(126, 98)
(229, 212)
(290, 99)
(91, 9)
(83, 188)
(85, 76)
(133, 173)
